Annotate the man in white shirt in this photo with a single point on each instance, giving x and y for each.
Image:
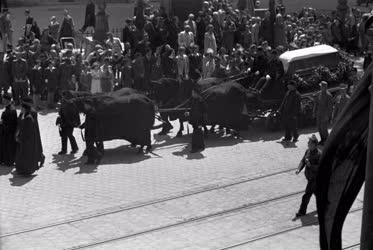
(186, 37)
(192, 24)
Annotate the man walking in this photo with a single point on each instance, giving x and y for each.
(289, 111)
(323, 111)
(310, 163)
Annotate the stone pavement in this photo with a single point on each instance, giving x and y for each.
(237, 190)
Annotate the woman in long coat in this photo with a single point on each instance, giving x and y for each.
(9, 127)
(29, 144)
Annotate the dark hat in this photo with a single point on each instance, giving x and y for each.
(313, 139)
(259, 48)
(7, 96)
(27, 11)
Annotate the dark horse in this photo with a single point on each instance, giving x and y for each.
(173, 98)
(124, 114)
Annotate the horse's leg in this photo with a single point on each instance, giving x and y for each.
(166, 127)
(212, 129)
(181, 129)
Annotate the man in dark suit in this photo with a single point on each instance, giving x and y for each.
(289, 111)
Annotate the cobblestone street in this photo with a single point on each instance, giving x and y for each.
(238, 193)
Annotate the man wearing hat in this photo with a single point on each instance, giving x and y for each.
(8, 123)
(322, 111)
(28, 101)
(29, 152)
(310, 163)
(289, 111)
(19, 74)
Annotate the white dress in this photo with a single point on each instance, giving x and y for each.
(96, 82)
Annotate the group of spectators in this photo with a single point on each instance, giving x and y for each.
(217, 41)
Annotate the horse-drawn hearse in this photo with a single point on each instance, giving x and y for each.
(307, 67)
(230, 103)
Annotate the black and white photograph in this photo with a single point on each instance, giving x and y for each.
(186, 124)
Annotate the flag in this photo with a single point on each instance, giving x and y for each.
(343, 164)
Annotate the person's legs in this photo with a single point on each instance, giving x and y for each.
(70, 136)
(306, 197)
(287, 125)
(294, 129)
(63, 142)
(323, 130)
(16, 93)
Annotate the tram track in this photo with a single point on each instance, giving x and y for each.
(263, 237)
(119, 209)
(188, 221)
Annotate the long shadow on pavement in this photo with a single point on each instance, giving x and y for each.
(185, 151)
(119, 155)
(18, 180)
(309, 219)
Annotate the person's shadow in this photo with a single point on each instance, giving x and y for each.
(289, 144)
(66, 162)
(5, 170)
(309, 219)
(19, 180)
(185, 151)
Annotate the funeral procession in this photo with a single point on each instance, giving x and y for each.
(186, 124)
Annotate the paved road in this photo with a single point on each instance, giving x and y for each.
(236, 191)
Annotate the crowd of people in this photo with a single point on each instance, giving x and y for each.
(218, 41)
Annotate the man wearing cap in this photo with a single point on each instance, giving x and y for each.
(19, 73)
(289, 111)
(29, 152)
(322, 111)
(8, 123)
(310, 163)
(340, 102)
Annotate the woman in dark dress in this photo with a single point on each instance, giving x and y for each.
(9, 127)
(29, 145)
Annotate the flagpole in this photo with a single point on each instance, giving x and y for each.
(366, 241)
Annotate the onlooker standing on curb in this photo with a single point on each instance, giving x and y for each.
(51, 80)
(289, 112)
(310, 162)
(323, 111)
